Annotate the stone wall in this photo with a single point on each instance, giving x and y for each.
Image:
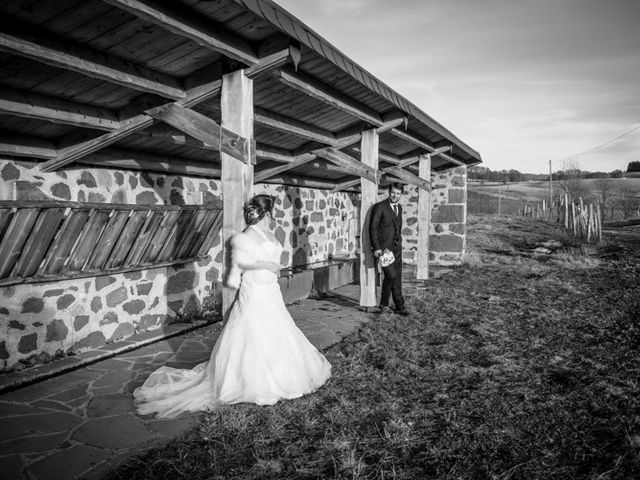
(447, 234)
(45, 319)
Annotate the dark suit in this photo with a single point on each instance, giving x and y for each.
(385, 231)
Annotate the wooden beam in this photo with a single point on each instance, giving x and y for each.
(269, 152)
(275, 60)
(345, 185)
(18, 39)
(168, 134)
(424, 219)
(348, 163)
(24, 146)
(125, 159)
(192, 25)
(429, 148)
(200, 92)
(41, 107)
(293, 126)
(236, 103)
(128, 127)
(408, 177)
(271, 172)
(328, 95)
(204, 129)
(369, 196)
(301, 181)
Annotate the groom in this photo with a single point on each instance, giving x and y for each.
(385, 232)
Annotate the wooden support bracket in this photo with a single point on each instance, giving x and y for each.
(348, 163)
(206, 130)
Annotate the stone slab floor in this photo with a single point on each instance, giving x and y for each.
(81, 424)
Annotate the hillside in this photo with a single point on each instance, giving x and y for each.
(483, 197)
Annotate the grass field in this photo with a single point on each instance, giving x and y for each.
(519, 365)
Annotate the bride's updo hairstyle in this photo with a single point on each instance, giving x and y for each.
(256, 208)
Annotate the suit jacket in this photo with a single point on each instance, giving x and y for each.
(385, 227)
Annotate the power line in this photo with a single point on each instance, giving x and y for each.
(593, 149)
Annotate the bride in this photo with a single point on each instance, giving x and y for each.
(260, 356)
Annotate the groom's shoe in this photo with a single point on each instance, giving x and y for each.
(385, 309)
(402, 311)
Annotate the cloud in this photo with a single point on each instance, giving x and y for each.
(520, 81)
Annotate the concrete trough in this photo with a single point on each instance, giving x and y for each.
(313, 279)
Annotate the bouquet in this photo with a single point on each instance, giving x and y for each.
(387, 258)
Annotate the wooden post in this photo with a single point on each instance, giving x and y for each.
(550, 190)
(599, 222)
(236, 103)
(369, 196)
(424, 219)
(566, 211)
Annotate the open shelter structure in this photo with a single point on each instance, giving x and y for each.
(132, 131)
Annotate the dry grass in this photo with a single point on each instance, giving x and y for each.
(520, 365)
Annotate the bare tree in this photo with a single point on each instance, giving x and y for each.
(604, 188)
(570, 181)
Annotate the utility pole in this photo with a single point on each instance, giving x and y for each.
(499, 199)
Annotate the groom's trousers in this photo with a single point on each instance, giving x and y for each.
(392, 283)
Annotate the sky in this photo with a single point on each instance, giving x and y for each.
(521, 81)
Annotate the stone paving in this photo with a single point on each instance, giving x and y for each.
(81, 425)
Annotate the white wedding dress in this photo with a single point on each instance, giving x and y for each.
(260, 357)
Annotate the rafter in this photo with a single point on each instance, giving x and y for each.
(19, 39)
(188, 24)
(394, 170)
(328, 95)
(293, 126)
(119, 158)
(429, 148)
(24, 146)
(41, 107)
(271, 172)
(128, 127)
(202, 91)
(408, 177)
(345, 185)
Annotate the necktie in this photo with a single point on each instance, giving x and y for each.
(395, 210)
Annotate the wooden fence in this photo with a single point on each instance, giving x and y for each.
(580, 220)
(48, 240)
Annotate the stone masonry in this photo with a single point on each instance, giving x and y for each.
(447, 232)
(41, 321)
(44, 320)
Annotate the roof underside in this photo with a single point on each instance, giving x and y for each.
(49, 103)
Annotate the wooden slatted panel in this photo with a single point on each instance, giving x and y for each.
(190, 235)
(64, 242)
(107, 240)
(186, 246)
(38, 243)
(201, 235)
(177, 233)
(211, 235)
(15, 237)
(164, 230)
(42, 241)
(127, 239)
(87, 241)
(145, 236)
(5, 216)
